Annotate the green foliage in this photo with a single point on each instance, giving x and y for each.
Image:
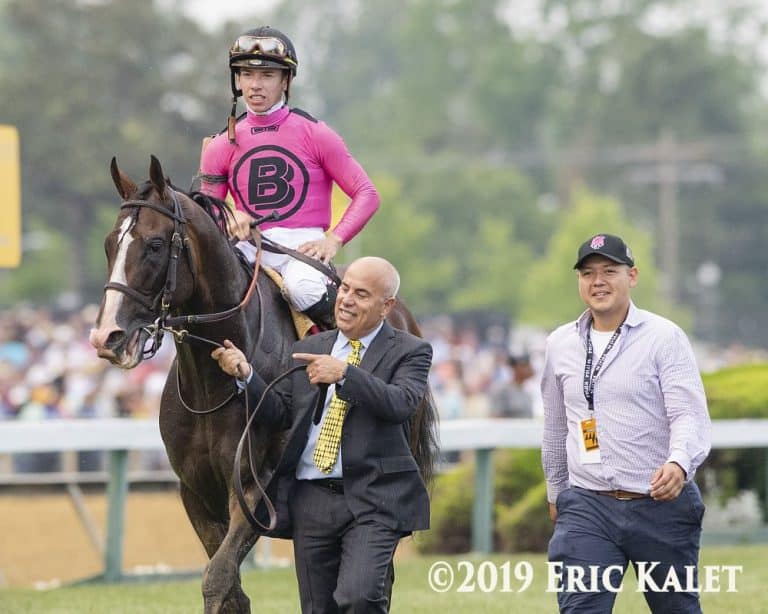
(487, 220)
(518, 478)
(451, 512)
(89, 81)
(738, 392)
(420, 95)
(402, 232)
(524, 526)
(494, 271)
(733, 393)
(522, 519)
(465, 116)
(440, 77)
(468, 226)
(44, 266)
(516, 472)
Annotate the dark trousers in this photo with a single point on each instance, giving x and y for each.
(342, 565)
(598, 530)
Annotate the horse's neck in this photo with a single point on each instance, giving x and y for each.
(220, 283)
(263, 330)
(200, 376)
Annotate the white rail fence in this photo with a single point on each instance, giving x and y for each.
(120, 436)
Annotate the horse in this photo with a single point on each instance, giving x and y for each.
(171, 266)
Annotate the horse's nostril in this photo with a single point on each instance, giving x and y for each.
(115, 338)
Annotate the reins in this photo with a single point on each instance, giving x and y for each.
(277, 248)
(254, 522)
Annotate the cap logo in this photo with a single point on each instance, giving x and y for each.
(597, 242)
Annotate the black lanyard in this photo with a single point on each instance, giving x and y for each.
(589, 375)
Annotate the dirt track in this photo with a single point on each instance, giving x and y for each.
(42, 538)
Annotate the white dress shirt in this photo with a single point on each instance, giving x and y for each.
(649, 405)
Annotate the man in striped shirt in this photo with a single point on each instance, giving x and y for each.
(625, 428)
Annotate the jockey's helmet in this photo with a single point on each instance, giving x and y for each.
(261, 48)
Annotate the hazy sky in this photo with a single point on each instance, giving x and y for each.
(215, 13)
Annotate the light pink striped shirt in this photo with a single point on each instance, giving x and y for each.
(649, 405)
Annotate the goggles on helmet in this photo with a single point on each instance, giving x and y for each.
(262, 45)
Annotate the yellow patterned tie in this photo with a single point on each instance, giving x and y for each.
(327, 446)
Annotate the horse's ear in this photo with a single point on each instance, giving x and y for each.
(125, 187)
(156, 175)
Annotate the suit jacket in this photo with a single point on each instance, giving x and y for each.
(381, 479)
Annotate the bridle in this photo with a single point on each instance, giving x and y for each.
(164, 322)
(179, 241)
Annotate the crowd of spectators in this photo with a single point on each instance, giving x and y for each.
(483, 371)
(49, 371)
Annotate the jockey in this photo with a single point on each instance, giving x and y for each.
(279, 160)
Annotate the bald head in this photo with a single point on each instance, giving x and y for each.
(381, 270)
(366, 295)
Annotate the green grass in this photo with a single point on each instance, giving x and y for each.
(274, 591)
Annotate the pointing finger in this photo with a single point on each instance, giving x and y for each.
(307, 357)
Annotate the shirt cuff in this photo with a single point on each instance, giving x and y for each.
(681, 458)
(553, 490)
(242, 384)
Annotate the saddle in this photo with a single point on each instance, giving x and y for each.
(301, 321)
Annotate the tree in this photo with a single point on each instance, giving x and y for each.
(472, 115)
(632, 78)
(496, 271)
(550, 295)
(402, 233)
(89, 81)
(489, 225)
(443, 76)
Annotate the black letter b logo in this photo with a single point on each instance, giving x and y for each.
(269, 183)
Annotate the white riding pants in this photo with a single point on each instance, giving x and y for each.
(303, 285)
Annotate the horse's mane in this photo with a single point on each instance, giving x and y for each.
(218, 210)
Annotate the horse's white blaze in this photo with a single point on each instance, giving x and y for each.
(113, 299)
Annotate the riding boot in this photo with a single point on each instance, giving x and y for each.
(321, 313)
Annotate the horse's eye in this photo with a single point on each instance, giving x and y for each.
(156, 244)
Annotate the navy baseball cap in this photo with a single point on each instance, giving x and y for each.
(610, 246)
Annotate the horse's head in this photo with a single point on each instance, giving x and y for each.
(147, 274)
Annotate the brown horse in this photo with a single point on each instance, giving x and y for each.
(171, 267)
